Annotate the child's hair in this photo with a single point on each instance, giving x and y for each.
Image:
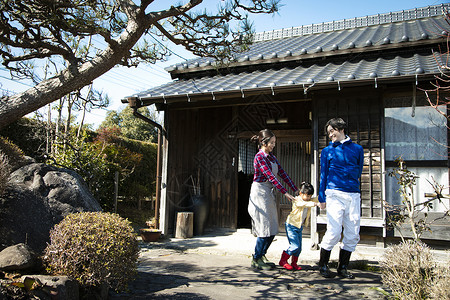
(306, 188)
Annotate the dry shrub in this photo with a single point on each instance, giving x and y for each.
(440, 285)
(13, 153)
(407, 269)
(95, 248)
(5, 170)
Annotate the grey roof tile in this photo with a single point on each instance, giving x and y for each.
(396, 33)
(360, 69)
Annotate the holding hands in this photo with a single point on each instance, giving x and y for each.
(290, 197)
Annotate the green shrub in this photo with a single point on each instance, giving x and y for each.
(95, 248)
(30, 135)
(407, 269)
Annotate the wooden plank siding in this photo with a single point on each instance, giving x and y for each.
(200, 145)
(362, 112)
(294, 154)
(205, 137)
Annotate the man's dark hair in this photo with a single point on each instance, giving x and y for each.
(337, 124)
(306, 188)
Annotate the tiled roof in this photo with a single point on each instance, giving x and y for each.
(378, 19)
(384, 51)
(338, 74)
(328, 38)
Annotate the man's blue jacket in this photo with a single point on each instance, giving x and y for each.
(341, 166)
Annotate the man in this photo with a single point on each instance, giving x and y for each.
(341, 165)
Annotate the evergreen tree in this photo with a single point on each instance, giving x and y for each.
(33, 32)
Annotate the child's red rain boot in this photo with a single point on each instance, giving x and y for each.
(284, 261)
(294, 263)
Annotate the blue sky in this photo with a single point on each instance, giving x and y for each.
(121, 82)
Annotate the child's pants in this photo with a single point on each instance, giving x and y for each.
(294, 235)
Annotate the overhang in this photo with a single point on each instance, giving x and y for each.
(303, 78)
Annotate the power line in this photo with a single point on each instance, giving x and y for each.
(130, 74)
(165, 47)
(164, 73)
(116, 83)
(16, 81)
(120, 79)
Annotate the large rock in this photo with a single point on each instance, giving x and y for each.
(37, 197)
(17, 257)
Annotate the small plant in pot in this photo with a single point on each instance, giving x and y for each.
(150, 234)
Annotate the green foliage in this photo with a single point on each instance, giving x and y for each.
(29, 135)
(130, 126)
(94, 248)
(90, 161)
(408, 270)
(139, 218)
(96, 156)
(97, 159)
(141, 182)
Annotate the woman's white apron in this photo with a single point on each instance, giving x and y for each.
(262, 207)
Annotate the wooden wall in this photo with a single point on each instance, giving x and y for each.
(204, 143)
(202, 146)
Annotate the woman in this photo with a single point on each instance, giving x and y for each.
(262, 205)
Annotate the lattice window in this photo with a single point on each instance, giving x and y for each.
(247, 151)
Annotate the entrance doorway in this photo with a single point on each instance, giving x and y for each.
(293, 151)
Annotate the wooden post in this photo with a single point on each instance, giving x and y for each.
(314, 233)
(185, 225)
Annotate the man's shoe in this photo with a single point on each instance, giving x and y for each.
(343, 273)
(325, 271)
(344, 259)
(323, 263)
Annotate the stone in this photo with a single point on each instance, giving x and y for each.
(17, 257)
(38, 197)
(59, 287)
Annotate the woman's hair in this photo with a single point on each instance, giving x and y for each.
(337, 124)
(306, 188)
(263, 137)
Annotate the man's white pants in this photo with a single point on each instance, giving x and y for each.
(343, 210)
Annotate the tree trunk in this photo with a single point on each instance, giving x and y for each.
(14, 107)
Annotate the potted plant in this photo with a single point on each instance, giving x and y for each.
(150, 234)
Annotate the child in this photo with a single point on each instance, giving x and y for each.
(294, 226)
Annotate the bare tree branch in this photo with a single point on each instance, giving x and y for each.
(33, 31)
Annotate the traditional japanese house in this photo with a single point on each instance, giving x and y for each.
(368, 70)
